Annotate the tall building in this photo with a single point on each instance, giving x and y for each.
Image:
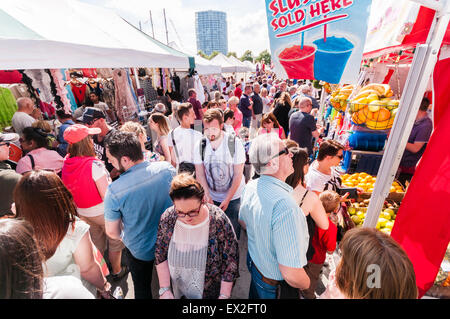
(211, 30)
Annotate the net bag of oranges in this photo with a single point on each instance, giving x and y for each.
(373, 107)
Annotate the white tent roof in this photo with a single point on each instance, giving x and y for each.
(67, 33)
(250, 65)
(227, 65)
(202, 66)
(239, 63)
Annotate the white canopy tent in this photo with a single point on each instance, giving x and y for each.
(250, 65)
(205, 67)
(239, 63)
(227, 65)
(67, 33)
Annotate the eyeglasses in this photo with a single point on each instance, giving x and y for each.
(7, 144)
(194, 213)
(341, 157)
(283, 151)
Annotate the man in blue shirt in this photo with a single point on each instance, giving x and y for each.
(246, 106)
(276, 227)
(134, 204)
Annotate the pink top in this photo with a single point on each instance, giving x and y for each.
(237, 120)
(43, 159)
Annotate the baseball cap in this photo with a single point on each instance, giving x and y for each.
(76, 132)
(8, 137)
(90, 114)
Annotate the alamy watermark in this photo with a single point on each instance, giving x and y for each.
(374, 279)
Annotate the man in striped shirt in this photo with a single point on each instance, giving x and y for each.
(276, 227)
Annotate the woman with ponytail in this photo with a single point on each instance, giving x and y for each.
(35, 142)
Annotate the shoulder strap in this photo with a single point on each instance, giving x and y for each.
(231, 144)
(303, 198)
(31, 160)
(202, 148)
(174, 144)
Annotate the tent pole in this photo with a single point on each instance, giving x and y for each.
(425, 58)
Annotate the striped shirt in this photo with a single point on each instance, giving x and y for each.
(276, 227)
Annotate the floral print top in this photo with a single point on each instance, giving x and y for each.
(222, 261)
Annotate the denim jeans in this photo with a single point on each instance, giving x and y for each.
(233, 214)
(258, 288)
(246, 121)
(141, 273)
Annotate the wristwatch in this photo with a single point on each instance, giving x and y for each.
(163, 290)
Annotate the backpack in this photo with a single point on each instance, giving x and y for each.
(231, 145)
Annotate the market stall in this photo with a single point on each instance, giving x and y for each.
(390, 107)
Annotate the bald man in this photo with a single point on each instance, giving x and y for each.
(306, 91)
(22, 118)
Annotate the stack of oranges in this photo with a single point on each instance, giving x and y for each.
(366, 182)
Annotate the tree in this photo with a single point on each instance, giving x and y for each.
(247, 56)
(202, 54)
(232, 54)
(213, 55)
(264, 55)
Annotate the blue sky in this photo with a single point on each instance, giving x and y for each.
(246, 20)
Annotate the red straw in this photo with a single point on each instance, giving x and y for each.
(325, 31)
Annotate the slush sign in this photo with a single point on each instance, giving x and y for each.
(317, 39)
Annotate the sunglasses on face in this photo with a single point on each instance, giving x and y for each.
(282, 152)
(6, 143)
(341, 157)
(194, 213)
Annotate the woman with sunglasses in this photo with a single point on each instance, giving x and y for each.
(323, 174)
(269, 124)
(196, 247)
(35, 142)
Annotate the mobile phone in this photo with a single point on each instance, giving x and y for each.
(352, 192)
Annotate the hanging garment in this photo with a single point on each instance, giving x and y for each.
(176, 82)
(95, 87)
(105, 73)
(61, 89)
(124, 101)
(108, 93)
(19, 90)
(10, 76)
(71, 97)
(133, 89)
(79, 91)
(149, 90)
(47, 109)
(89, 73)
(8, 107)
(199, 89)
(41, 81)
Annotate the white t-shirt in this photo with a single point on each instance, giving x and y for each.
(266, 101)
(185, 140)
(98, 171)
(228, 128)
(21, 120)
(65, 287)
(62, 262)
(219, 167)
(319, 182)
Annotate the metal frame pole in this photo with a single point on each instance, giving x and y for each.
(425, 58)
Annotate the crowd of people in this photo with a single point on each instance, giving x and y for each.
(176, 194)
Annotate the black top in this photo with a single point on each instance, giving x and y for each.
(311, 229)
(301, 126)
(100, 150)
(257, 104)
(244, 103)
(281, 112)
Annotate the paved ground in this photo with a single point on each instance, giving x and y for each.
(241, 288)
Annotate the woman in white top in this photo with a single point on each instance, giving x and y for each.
(22, 272)
(266, 101)
(87, 179)
(141, 134)
(158, 123)
(196, 247)
(42, 199)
